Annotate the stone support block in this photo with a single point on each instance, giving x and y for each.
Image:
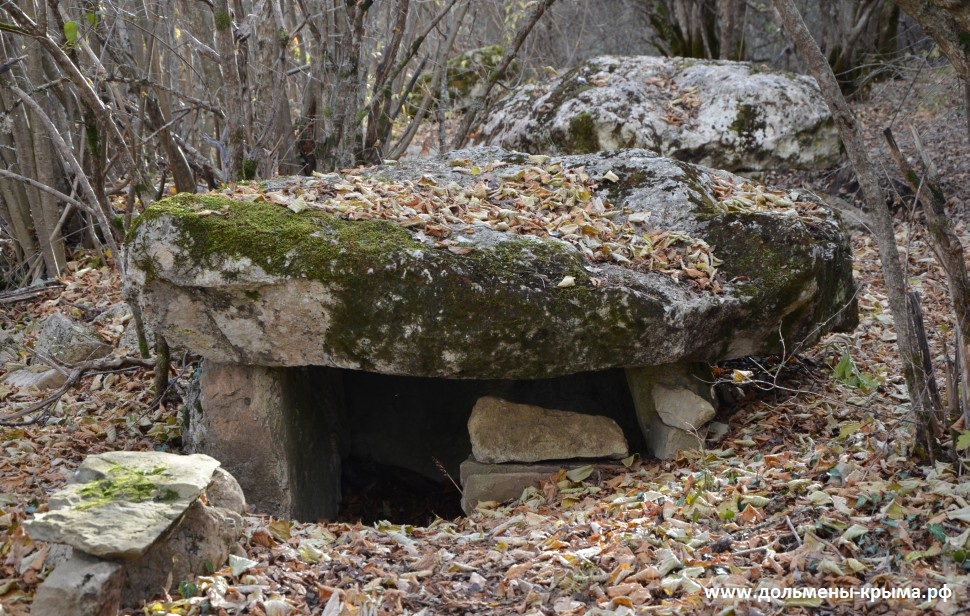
(503, 431)
(280, 432)
(82, 585)
(501, 482)
(674, 403)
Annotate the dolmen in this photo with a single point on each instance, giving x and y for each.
(484, 266)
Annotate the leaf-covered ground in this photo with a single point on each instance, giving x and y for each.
(810, 485)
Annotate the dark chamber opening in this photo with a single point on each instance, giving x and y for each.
(408, 435)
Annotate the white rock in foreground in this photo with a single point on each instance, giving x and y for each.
(122, 501)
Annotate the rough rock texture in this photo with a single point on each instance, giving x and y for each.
(204, 538)
(501, 482)
(34, 377)
(120, 502)
(729, 115)
(80, 586)
(502, 431)
(282, 440)
(130, 524)
(255, 283)
(674, 405)
(69, 342)
(225, 492)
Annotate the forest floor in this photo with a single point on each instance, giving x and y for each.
(812, 486)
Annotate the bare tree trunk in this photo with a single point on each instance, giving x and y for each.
(947, 25)
(732, 29)
(37, 158)
(72, 166)
(342, 126)
(82, 87)
(483, 102)
(881, 217)
(16, 197)
(236, 129)
(159, 102)
(379, 116)
(277, 138)
(949, 252)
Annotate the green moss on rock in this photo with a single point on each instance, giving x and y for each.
(124, 484)
(748, 122)
(393, 296)
(582, 138)
(310, 244)
(773, 261)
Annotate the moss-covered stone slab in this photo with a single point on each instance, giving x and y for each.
(730, 115)
(251, 281)
(119, 503)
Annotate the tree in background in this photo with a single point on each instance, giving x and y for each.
(917, 367)
(154, 93)
(851, 33)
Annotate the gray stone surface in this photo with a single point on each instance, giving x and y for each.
(120, 502)
(80, 586)
(120, 312)
(681, 408)
(729, 115)
(502, 482)
(10, 344)
(69, 342)
(280, 435)
(503, 431)
(674, 405)
(287, 292)
(204, 537)
(35, 377)
(126, 555)
(224, 491)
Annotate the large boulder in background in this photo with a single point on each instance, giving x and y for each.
(730, 115)
(489, 264)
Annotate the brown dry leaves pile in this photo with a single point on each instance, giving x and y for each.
(812, 486)
(544, 199)
(109, 411)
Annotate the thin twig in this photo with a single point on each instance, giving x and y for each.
(77, 372)
(793, 530)
(24, 293)
(769, 546)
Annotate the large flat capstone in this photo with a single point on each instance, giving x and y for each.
(491, 264)
(481, 266)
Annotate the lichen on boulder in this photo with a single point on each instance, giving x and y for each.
(119, 503)
(489, 264)
(730, 115)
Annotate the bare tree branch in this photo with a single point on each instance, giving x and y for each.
(881, 217)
